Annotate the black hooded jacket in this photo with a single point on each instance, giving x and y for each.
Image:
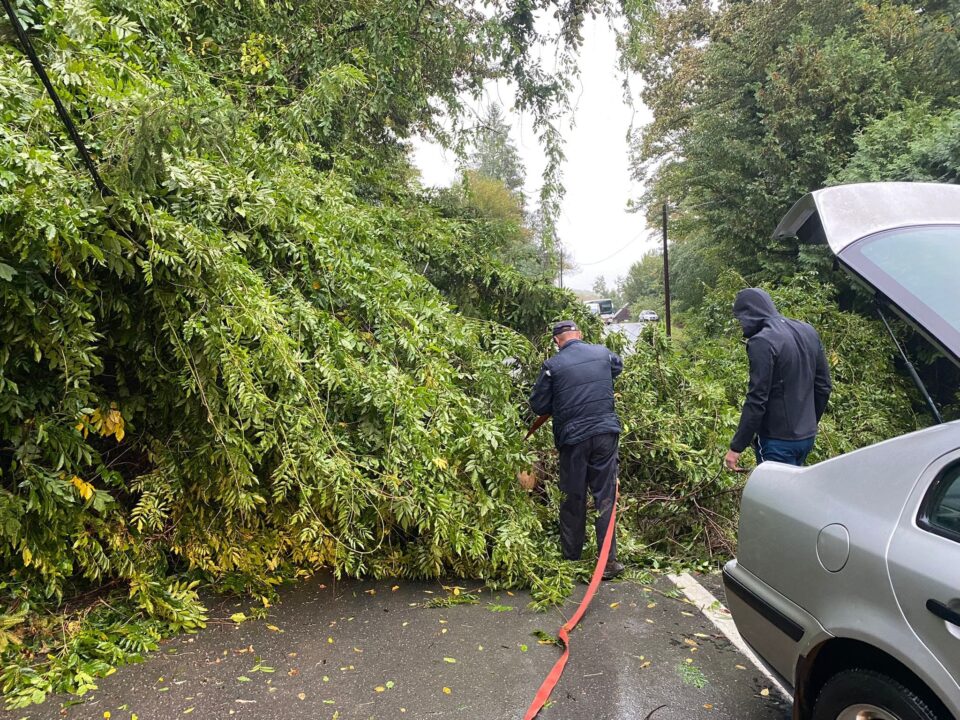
(789, 377)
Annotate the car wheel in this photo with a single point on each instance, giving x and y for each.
(868, 695)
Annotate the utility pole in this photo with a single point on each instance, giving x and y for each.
(666, 272)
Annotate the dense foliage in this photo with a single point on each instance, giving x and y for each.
(757, 103)
(244, 363)
(680, 403)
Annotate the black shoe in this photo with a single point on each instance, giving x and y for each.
(612, 570)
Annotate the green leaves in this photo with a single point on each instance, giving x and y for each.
(755, 105)
(267, 353)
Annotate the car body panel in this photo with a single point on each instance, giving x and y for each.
(925, 566)
(901, 240)
(847, 213)
(752, 602)
(783, 510)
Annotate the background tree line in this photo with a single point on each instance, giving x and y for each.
(757, 103)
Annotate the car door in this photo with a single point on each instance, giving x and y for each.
(924, 562)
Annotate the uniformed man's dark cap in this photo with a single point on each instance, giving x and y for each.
(564, 326)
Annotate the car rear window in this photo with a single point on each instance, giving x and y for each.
(918, 268)
(942, 511)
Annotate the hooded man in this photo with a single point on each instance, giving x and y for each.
(789, 383)
(576, 387)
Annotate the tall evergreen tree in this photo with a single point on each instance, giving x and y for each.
(494, 153)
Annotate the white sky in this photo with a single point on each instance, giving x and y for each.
(594, 224)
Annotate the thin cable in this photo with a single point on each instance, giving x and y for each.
(615, 253)
(61, 110)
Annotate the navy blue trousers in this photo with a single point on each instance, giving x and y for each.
(588, 465)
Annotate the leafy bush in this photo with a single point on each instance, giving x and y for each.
(231, 368)
(680, 406)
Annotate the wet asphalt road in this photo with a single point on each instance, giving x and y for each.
(358, 650)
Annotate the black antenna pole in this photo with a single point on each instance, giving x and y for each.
(61, 110)
(911, 369)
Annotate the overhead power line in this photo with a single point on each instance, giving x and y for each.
(614, 253)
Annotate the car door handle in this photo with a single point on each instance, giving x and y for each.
(944, 612)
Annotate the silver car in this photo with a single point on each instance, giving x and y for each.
(847, 580)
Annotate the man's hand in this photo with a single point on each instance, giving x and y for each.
(731, 461)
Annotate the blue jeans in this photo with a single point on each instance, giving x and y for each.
(792, 452)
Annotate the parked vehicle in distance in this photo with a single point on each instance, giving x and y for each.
(603, 308)
(648, 316)
(847, 577)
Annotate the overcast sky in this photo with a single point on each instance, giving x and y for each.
(594, 225)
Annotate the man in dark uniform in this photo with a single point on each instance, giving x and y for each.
(576, 387)
(789, 383)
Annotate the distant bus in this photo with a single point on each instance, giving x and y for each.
(603, 308)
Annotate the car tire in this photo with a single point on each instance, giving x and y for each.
(889, 699)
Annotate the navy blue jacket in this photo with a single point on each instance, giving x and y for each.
(576, 387)
(789, 376)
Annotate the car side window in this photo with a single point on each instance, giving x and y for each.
(941, 512)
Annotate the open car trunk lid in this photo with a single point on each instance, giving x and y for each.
(900, 239)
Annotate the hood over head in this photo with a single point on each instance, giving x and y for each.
(754, 309)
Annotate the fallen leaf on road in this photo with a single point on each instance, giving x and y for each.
(390, 684)
(765, 692)
(380, 688)
(330, 640)
(740, 667)
(449, 660)
(293, 672)
(615, 605)
(645, 664)
(523, 648)
(708, 706)
(243, 678)
(371, 591)
(395, 588)
(273, 628)
(188, 711)
(688, 641)
(447, 691)
(238, 617)
(650, 606)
